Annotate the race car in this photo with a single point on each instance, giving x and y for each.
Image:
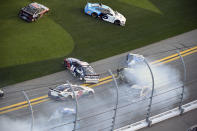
(1, 93)
(33, 11)
(60, 116)
(105, 13)
(82, 70)
(134, 59)
(64, 92)
(61, 113)
(132, 63)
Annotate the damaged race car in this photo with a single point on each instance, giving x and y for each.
(33, 11)
(129, 69)
(82, 70)
(61, 113)
(134, 59)
(64, 91)
(105, 13)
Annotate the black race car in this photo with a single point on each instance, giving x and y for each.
(82, 70)
(32, 12)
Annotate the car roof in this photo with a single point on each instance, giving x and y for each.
(99, 5)
(30, 10)
(74, 59)
(83, 63)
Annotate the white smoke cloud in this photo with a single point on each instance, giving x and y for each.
(165, 77)
(162, 75)
(41, 123)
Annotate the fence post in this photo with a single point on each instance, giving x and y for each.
(116, 102)
(30, 107)
(183, 86)
(76, 104)
(151, 97)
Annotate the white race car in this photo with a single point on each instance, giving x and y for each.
(105, 13)
(64, 91)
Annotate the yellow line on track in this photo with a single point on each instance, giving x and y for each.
(42, 97)
(23, 106)
(175, 58)
(182, 52)
(101, 81)
(24, 102)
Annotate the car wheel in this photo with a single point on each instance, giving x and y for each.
(117, 22)
(104, 17)
(90, 93)
(94, 15)
(49, 94)
(69, 97)
(2, 94)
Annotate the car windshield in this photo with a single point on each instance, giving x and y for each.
(111, 11)
(78, 89)
(62, 87)
(89, 70)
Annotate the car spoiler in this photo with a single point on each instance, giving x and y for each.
(92, 78)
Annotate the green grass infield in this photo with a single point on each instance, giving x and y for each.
(30, 50)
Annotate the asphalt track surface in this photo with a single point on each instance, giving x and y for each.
(95, 112)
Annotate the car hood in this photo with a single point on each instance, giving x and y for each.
(119, 16)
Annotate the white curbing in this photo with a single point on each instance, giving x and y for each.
(160, 117)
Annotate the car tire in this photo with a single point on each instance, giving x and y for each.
(94, 15)
(117, 22)
(104, 17)
(69, 97)
(90, 93)
(49, 94)
(1, 95)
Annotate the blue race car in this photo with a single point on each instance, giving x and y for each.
(105, 13)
